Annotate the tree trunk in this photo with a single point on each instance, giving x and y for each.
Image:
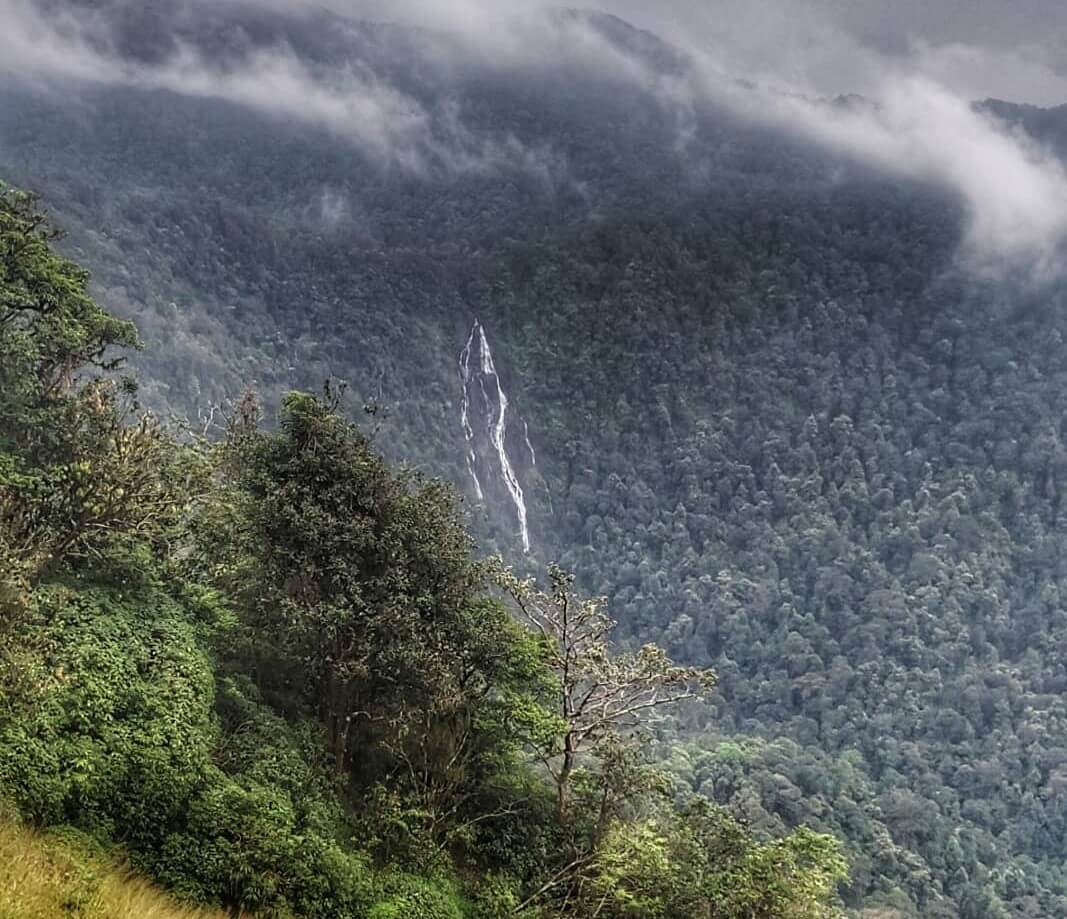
(563, 781)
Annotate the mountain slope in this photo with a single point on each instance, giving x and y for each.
(772, 418)
(52, 878)
(269, 672)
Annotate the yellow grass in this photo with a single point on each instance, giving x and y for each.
(51, 878)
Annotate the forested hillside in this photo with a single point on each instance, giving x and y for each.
(268, 672)
(775, 419)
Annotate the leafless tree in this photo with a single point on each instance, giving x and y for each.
(601, 695)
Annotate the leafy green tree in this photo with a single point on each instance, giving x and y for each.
(699, 861)
(361, 600)
(83, 476)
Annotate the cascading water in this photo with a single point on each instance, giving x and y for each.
(496, 406)
(529, 446)
(465, 413)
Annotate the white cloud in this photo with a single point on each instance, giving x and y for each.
(1023, 74)
(386, 123)
(923, 125)
(1015, 192)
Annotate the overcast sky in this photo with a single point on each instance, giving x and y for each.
(1010, 49)
(1014, 49)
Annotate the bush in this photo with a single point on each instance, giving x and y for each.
(407, 896)
(106, 715)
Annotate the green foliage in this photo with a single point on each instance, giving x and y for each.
(776, 785)
(108, 721)
(353, 564)
(105, 710)
(254, 845)
(701, 862)
(496, 897)
(52, 328)
(635, 875)
(77, 480)
(271, 671)
(363, 579)
(405, 896)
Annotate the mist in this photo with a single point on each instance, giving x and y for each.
(920, 75)
(1014, 191)
(388, 125)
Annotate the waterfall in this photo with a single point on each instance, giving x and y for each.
(496, 423)
(529, 446)
(465, 416)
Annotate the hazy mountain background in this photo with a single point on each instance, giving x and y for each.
(789, 371)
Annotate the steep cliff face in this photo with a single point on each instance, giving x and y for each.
(499, 452)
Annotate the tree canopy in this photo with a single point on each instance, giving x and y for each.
(269, 672)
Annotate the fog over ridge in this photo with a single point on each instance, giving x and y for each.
(921, 126)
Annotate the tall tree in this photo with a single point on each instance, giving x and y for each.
(82, 470)
(601, 696)
(363, 602)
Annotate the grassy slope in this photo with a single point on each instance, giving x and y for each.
(54, 877)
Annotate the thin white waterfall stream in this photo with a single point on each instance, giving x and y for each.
(465, 414)
(529, 446)
(497, 424)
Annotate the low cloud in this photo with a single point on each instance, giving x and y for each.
(911, 124)
(390, 126)
(921, 66)
(920, 123)
(1015, 74)
(1014, 191)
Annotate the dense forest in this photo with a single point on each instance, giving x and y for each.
(777, 423)
(269, 672)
